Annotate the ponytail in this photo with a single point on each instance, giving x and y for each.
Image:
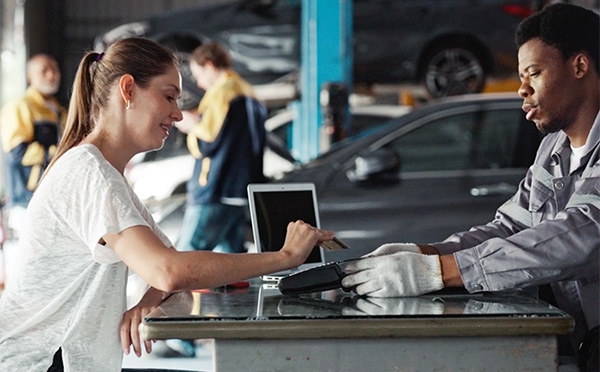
(79, 123)
(97, 73)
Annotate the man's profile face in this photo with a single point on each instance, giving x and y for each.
(43, 75)
(203, 74)
(547, 86)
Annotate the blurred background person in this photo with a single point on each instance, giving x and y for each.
(226, 135)
(29, 130)
(30, 127)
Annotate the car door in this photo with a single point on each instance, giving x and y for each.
(456, 168)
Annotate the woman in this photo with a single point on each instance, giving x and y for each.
(86, 228)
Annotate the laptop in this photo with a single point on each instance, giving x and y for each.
(272, 207)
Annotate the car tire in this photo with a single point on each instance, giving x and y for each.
(453, 69)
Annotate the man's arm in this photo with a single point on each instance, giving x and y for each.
(512, 217)
(450, 272)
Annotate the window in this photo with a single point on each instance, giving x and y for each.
(362, 122)
(467, 141)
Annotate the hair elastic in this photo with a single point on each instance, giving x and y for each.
(99, 57)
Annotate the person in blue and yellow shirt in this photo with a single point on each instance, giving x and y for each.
(30, 127)
(226, 135)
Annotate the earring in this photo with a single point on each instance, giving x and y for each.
(127, 105)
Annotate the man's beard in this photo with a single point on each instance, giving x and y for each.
(49, 89)
(553, 125)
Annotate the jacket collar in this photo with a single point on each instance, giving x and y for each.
(35, 96)
(562, 147)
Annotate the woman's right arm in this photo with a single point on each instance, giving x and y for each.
(169, 270)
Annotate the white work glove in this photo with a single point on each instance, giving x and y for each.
(396, 306)
(394, 248)
(401, 274)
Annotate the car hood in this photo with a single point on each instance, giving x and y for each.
(320, 170)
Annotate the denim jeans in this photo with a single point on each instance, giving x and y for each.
(18, 176)
(213, 227)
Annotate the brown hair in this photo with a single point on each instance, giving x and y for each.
(97, 72)
(213, 52)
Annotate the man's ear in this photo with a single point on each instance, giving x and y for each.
(126, 87)
(581, 65)
(210, 65)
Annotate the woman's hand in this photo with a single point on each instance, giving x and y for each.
(300, 240)
(132, 318)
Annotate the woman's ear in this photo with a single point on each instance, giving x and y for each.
(126, 87)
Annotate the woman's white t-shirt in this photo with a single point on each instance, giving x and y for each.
(66, 290)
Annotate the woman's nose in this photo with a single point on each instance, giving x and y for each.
(176, 114)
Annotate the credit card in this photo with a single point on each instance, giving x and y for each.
(334, 244)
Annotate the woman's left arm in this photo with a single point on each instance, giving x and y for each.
(132, 318)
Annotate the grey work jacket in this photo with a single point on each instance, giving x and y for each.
(548, 232)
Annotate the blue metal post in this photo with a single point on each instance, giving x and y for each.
(326, 33)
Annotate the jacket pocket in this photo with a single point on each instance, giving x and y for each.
(539, 196)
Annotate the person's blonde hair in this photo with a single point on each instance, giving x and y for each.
(97, 72)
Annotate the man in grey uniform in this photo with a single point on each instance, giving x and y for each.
(549, 231)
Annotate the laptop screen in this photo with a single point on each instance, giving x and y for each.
(273, 206)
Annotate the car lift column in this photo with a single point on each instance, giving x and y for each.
(326, 60)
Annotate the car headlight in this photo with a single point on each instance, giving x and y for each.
(122, 32)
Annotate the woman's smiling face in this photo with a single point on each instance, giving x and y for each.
(156, 109)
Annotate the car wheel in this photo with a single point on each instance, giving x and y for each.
(453, 70)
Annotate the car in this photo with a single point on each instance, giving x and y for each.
(159, 177)
(450, 46)
(442, 168)
(363, 115)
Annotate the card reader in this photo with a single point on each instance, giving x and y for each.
(316, 279)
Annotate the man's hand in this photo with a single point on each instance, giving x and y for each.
(401, 274)
(391, 248)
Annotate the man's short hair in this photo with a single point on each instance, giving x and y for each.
(569, 28)
(213, 52)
